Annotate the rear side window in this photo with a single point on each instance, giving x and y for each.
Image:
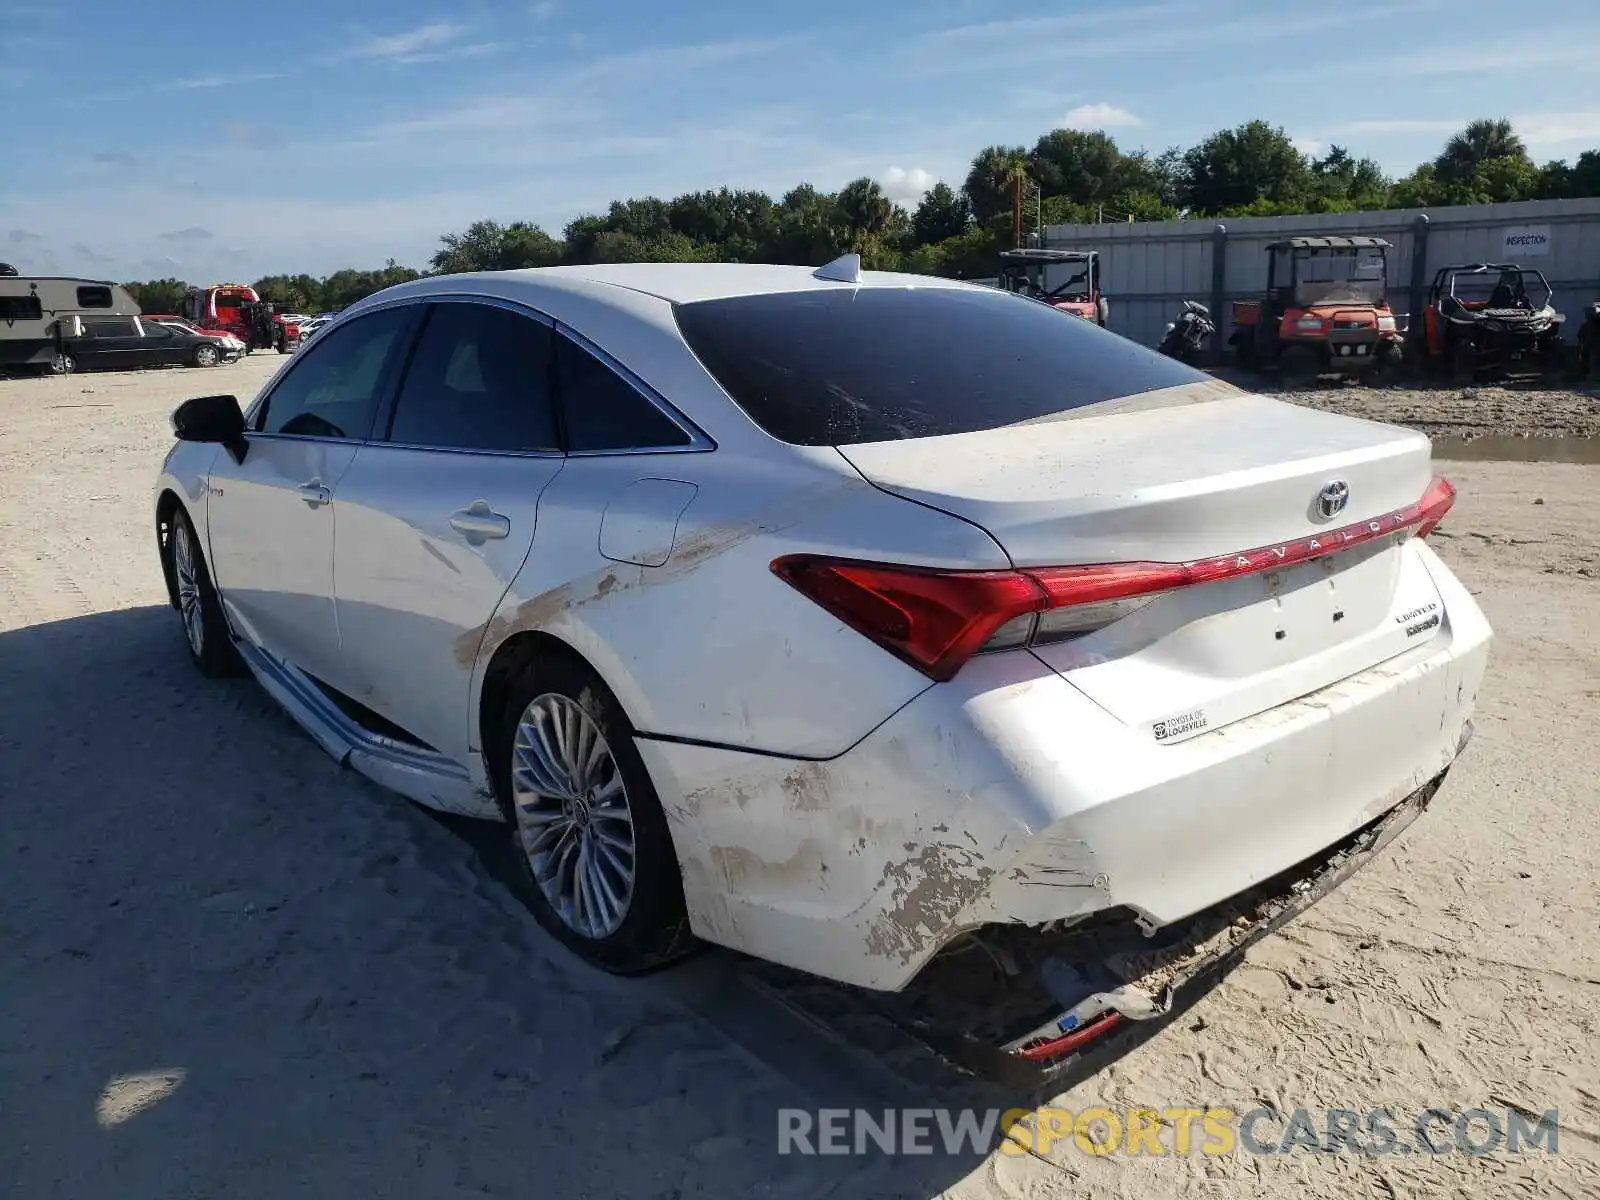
(110, 327)
(21, 308)
(836, 366)
(94, 297)
(603, 411)
(479, 380)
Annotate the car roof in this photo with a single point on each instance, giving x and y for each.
(684, 283)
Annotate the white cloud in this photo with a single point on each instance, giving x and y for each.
(1100, 116)
(1400, 127)
(411, 42)
(1557, 129)
(544, 10)
(906, 186)
(1308, 146)
(216, 81)
(1536, 129)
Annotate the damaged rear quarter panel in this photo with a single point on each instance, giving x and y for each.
(711, 645)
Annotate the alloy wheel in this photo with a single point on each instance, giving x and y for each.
(573, 817)
(188, 579)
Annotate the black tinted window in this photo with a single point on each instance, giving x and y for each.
(603, 410)
(333, 390)
(110, 327)
(21, 308)
(479, 380)
(94, 297)
(837, 366)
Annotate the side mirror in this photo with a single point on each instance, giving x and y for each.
(214, 419)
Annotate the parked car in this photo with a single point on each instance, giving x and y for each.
(232, 346)
(862, 612)
(311, 325)
(119, 343)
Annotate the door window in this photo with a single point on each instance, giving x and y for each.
(479, 380)
(333, 390)
(603, 411)
(105, 328)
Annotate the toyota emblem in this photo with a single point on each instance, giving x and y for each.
(1332, 499)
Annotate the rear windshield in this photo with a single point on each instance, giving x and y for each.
(836, 366)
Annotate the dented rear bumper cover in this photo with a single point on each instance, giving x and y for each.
(1103, 986)
(1007, 797)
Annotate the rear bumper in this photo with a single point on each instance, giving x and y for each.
(1006, 796)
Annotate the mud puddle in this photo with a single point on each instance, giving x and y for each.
(1502, 448)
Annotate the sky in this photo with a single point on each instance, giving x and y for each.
(149, 141)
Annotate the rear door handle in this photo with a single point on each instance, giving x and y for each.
(315, 493)
(478, 521)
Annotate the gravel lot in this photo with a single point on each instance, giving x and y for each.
(234, 970)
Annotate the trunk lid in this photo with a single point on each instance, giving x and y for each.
(1145, 480)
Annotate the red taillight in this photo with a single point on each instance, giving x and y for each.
(1435, 502)
(936, 620)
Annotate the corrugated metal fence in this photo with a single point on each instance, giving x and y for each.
(1148, 268)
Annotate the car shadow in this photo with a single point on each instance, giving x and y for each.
(234, 968)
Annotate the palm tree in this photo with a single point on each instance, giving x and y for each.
(1480, 142)
(866, 210)
(1010, 174)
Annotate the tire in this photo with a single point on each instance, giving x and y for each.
(206, 356)
(565, 822)
(62, 364)
(205, 629)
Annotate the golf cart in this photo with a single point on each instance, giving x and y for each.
(1488, 317)
(1026, 273)
(1325, 309)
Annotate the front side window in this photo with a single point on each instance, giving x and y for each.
(478, 380)
(333, 391)
(603, 411)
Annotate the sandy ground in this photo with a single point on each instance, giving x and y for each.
(233, 970)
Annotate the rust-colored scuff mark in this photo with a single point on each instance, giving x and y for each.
(929, 892)
(744, 872)
(806, 788)
(686, 556)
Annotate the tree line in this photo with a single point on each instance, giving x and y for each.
(1068, 176)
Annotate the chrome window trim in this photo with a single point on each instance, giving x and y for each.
(375, 444)
(699, 441)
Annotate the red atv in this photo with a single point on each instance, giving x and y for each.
(1325, 310)
(1028, 273)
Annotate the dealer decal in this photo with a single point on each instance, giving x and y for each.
(1183, 723)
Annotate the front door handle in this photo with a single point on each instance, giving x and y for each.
(316, 493)
(478, 521)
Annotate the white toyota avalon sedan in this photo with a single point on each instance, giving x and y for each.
(827, 615)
